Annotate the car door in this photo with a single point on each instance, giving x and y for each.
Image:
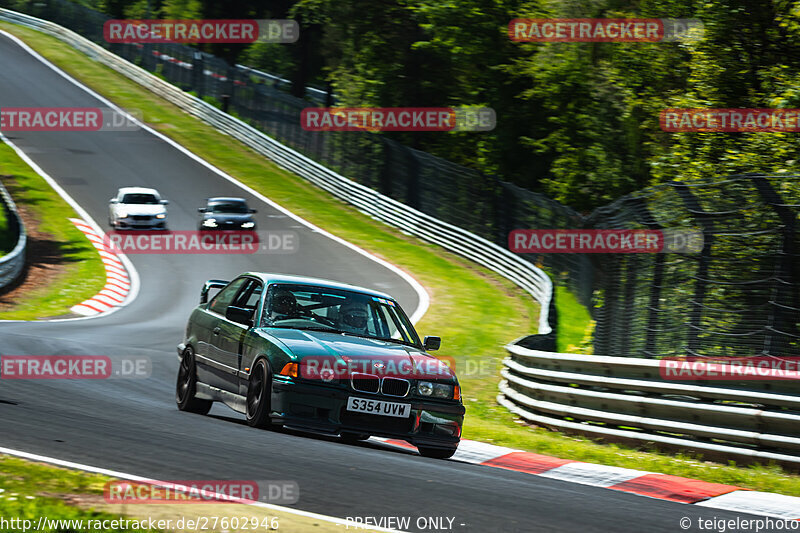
(232, 335)
(211, 368)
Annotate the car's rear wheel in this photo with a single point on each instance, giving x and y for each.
(350, 437)
(436, 453)
(186, 386)
(258, 396)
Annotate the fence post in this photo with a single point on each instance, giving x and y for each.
(696, 314)
(779, 319)
(198, 78)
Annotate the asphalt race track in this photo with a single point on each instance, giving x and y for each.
(133, 425)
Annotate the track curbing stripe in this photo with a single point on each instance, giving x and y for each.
(117, 286)
(673, 488)
(659, 486)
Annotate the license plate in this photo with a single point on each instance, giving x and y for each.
(378, 407)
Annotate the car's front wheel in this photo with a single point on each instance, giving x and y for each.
(186, 387)
(436, 453)
(258, 396)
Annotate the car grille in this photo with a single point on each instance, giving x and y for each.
(376, 422)
(365, 382)
(395, 387)
(140, 217)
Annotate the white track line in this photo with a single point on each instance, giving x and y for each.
(131, 477)
(422, 294)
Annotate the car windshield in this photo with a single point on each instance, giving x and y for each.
(228, 207)
(338, 311)
(139, 198)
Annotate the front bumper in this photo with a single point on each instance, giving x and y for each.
(225, 227)
(149, 224)
(323, 408)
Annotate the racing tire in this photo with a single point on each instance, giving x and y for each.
(259, 390)
(186, 386)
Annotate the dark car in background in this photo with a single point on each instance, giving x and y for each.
(318, 355)
(226, 213)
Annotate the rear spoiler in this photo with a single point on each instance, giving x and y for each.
(211, 284)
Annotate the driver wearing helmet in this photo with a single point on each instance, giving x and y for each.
(353, 316)
(284, 305)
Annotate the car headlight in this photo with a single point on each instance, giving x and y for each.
(122, 214)
(161, 215)
(440, 390)
(210, 223)
(435, 390)
(248, 224)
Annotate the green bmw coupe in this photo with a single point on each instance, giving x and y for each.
(321, 356)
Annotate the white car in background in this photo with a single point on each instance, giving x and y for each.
(137, 208)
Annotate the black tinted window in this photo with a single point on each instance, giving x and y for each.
(224, 298)
(139, 198)
(229, 207)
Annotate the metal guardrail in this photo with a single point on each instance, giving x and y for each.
(12, 264)
(524, 274)
(626, 399)
(312, 93)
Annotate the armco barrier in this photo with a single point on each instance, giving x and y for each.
(626, 399)
(12, 264)
(522, 273)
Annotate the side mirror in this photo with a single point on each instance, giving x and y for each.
(253, 211)
(113, 201)
(239, 315)
(201, 209)
(432, 343)
(164, 202)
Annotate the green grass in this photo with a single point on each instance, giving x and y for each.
(573, 321)
(82, 274)
(30, 490)
(475, 311)
(33, 490)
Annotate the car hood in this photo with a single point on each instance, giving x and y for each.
(362, 354)
(140, 209)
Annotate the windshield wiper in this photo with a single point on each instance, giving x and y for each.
(321, 328)
(311, 328)
(395, 341)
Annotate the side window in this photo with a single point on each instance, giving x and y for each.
(224, 298)
(249, 297)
